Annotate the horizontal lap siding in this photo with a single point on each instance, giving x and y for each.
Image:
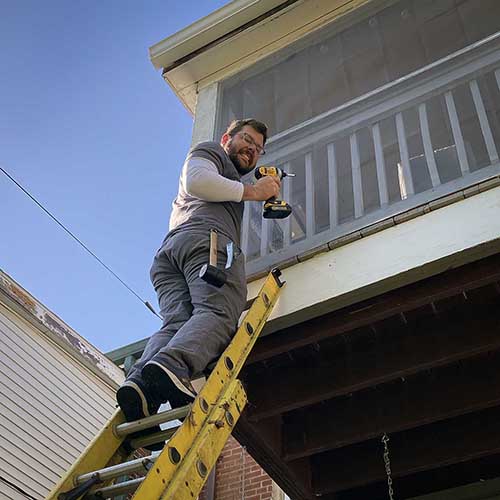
(51, 406)
(7, 492)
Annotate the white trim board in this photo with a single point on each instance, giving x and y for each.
(243, 48)
(446, 238)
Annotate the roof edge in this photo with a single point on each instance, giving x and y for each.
(21, 302)
(217, 25)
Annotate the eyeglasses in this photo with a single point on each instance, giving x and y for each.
(249, 140)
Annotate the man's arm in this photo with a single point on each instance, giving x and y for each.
(202, 180)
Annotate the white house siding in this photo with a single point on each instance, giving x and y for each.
(51, 407)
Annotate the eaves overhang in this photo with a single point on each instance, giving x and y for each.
(236, 15)
(240, 34)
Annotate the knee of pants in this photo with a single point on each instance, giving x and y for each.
(217, 317)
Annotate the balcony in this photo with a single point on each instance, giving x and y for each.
(359, 166)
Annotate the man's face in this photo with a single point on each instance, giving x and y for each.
(243, 148)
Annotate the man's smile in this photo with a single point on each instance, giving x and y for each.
(247, 156)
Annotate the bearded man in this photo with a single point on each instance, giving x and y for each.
(199, 319)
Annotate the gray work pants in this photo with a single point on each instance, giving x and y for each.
(199, 319)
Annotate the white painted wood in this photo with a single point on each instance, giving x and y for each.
(35, 466)
(30, 486)
(205, 114)
(51, 404)
(245, 228)
(39, 426)
(287, 196)
(457, 133)
(380, 162)
(44, 469)
(251, 45)
(7, 492)
(60, 400)
(382, 215)
(332, 186)
(310, 217)
(428, 149)
(264, 237)
(75, 387)
(357, 185)
(448, 237)
(405, 158)
(483, 121)
(206, 30)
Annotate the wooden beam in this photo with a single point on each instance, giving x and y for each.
(468, 277)
(430, 397)
(379, 362)
(472, 480)
(461, 439)
(264, 443)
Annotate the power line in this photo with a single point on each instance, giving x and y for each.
(145, 302)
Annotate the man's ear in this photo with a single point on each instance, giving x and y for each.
(224, 139)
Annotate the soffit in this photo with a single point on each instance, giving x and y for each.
(403, 363)
(227, 41)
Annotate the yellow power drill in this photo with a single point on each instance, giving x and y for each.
(273, 208)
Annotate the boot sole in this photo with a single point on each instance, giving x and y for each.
(132, 401)
(167, 384)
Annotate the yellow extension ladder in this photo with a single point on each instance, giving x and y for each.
(180, 470)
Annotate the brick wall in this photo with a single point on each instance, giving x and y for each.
(239, 477)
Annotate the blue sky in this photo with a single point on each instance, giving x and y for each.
(89, 127)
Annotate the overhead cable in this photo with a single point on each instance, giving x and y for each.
(29, 195)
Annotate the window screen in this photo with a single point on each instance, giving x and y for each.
(335, 67)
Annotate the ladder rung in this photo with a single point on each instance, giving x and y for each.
(152, 438)
(118, 488)
(137, 465)
(145, 423)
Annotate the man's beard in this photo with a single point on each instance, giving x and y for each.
(233, 155)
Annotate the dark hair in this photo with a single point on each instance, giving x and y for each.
(236, 125)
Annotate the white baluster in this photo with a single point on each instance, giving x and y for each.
(287, 196)
(380, 162)
(357, 185)
(245, 228)
(310, 218)
(428, 149)
(264, 237)
(407, 188)
(483, 121)
(457, 133)
(332, 186)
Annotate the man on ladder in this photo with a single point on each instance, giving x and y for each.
(200, 310)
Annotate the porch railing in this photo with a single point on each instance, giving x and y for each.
(416, 139)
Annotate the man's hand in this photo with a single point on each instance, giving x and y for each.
(262, 190)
